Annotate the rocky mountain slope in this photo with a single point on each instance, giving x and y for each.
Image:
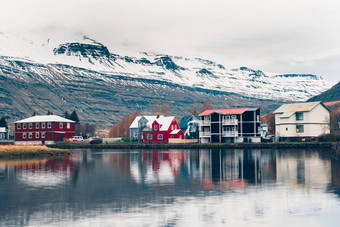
(332, 94)
(104, 86)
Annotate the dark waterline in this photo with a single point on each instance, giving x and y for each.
(172, 188)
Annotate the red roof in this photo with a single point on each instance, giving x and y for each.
(225, 111)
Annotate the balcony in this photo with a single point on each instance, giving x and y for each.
(229, 121)
(205, 122)
(230, 134)
(204, 134)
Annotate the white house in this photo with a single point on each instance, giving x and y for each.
(310, 119)
(4, 133)
(139, 124)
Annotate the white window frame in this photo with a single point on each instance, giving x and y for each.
(19, 126)
(155, 127)
(24, 126)
(172, 127)
(49, 125)
(61, 125)
(160, 136)
(43, 125)
(149, 136)
(180, 136)
(37, 135)
(135, 134)
(68, 125)
(37, 125)
(30, 135)
(43, 135)
(24, 135)
(30, 126)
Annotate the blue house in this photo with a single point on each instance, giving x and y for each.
(185, 120)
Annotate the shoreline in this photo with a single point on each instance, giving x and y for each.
(12, 151)
(199, 146)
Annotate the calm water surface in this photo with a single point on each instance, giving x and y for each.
(172, 188)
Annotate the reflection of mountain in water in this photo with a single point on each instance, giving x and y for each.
(122, 180)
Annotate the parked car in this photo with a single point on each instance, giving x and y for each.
(96, 140)
(76, 139)
(269, 138)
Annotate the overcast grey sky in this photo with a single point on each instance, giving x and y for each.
(278, 36)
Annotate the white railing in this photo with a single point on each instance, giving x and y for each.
(230, 121)
(230, 133)
(204, 133)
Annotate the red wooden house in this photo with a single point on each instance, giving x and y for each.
(162, 129)
(45, 129)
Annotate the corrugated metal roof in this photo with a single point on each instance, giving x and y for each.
(45, 118)
(225, 111)
(174, 132)
(165, 122)
(287, 110)
(149, 118)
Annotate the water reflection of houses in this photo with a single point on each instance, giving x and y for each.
(237, 167)
(156, 166)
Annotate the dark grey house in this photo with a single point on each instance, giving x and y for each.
(230, 125)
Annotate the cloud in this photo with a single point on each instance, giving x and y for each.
(282, 36)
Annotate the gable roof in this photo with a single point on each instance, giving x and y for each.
(165, 122)
(45, 118)
(149, 118)
(225, 111)
(186, 119)
(287, 110)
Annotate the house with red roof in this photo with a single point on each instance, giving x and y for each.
(230, 125)
(162, 129)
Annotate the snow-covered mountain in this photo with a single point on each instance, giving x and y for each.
(89, 54)
(80, 73)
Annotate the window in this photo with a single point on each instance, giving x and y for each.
(68, 125)
(299, 116)
(180, 136)
(19, 126)
(42, 125)
(155, 127)
(42, 135)
(37, 135)
(30, 135)
(60, 125)
(286, 129)
(258, 118)
(24, 136)
(160, 137)
(30, 125)
(37, 125)
(24, 126)
(49, 125)
(135, 134)
(172, 127)
(149, 136)
(299, 129)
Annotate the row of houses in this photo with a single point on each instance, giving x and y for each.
(296, 120)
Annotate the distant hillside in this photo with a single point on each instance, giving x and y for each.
(332, 94)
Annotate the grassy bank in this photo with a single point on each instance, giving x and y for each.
(9, 151)
(121, 145)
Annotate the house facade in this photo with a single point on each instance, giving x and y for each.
(140, 124)
(230, 125)
(302, 120)
(4, 135)
(162, 129)
(45, 129)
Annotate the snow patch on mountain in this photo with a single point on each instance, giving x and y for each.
(86, 53)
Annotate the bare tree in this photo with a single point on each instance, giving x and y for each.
(206, 106)
(194, 110)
